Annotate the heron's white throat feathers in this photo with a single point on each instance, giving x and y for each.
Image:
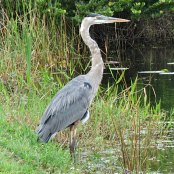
(96, 71)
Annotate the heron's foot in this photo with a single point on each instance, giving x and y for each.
(72, 148)
(73, 152)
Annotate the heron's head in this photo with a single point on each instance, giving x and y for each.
(93, 18)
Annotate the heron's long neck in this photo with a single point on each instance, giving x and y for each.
(93, 46)
(97, 63)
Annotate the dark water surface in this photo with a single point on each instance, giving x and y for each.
(107, 160)
(144, 62)
(153, 66)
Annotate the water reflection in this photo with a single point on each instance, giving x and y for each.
(149, 59)
(159, 158)
(164, 155)
(159, 62)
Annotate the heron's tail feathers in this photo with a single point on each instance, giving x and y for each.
(44, 134)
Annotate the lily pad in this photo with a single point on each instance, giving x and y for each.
(165, 70)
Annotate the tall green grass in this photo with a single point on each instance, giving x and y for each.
(32, 50)
(30, 43)
(121, 120)
(37, 59)
(126, 121)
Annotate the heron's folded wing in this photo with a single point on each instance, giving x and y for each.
(69, 105)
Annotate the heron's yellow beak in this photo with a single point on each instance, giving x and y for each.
(119, 20)
(105, 19)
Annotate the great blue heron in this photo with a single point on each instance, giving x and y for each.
(71, 104)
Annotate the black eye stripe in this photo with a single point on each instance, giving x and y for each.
(93, 15)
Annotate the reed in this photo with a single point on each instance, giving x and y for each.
(37, 59)
(125, 122)
(31, 44)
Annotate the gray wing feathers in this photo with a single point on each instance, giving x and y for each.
(69, 105)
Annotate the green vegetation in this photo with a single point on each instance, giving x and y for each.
(41, 51)
(116, 119)
(20, 153)
(75, 10)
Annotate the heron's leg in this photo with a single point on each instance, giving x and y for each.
(72, 146)
(72, 140)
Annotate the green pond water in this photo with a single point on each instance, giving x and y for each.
(153, 66)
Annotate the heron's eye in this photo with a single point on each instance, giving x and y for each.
(99, 17)
(87, 85)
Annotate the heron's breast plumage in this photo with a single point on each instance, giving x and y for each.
(69, 105)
